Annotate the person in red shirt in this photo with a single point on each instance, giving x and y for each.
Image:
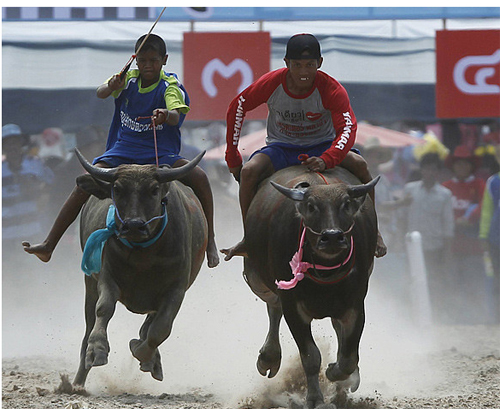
(309, 114)
(467, 191)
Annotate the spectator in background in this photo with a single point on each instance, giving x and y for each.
(435, 146)
(489, 232)
(430, 212)
(467, 191)
(24, 193)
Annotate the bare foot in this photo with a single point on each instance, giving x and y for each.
(239, 249)
(381, 249)
(40, 250)
(212, 254)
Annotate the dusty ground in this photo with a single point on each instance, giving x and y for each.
(467, 376)
(209, 360)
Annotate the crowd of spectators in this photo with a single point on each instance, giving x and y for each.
(37, 172)
(451, 197)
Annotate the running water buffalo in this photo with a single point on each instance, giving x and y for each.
(323, 228)
(156, 235)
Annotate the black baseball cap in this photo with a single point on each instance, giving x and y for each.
(303, 47)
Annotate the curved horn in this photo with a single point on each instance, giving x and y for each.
(360, 190)
(104, 174)
(294, 194)
(169, 174)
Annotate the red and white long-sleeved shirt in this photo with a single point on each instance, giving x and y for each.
(323, 114)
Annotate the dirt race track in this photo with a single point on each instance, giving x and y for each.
(209, 360)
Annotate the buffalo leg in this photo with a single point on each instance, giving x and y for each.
(309, 354)
(98, 345)
(270, 353)
(143, 332)
(90, 307)
(145, 350)
(348, 330)
(153, 365)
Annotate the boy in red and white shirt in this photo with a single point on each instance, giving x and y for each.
(309, 114)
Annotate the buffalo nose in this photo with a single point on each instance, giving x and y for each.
(334, 236)
(134, 225)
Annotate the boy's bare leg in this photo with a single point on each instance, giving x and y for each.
(198, 181)
(64, 219)
(355, 164)
(254, 171)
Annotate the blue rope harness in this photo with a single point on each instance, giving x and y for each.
(92, 252)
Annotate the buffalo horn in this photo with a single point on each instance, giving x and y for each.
(104, 174)
(169, 174)
(294, 194)
(360, 190)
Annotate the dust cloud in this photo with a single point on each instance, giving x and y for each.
(217, 334)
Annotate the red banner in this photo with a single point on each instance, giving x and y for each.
(218, 66)
(468, 74)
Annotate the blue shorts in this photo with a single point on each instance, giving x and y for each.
(284, 155)
(121, 154)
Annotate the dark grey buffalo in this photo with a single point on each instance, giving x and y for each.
(146, 265)
(332, 268)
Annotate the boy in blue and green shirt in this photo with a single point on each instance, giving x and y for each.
(143, 92)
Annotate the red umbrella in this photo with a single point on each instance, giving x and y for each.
(387, 137)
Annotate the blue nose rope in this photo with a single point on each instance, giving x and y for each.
(92, 252)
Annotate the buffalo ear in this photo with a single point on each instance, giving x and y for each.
(294, 194)
(94, 187)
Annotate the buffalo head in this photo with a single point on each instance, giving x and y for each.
(139, 193)
(328, 213)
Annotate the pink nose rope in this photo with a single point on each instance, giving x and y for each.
(299, 267)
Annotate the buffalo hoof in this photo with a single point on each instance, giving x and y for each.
(345, 381)
(153, 366)
(352, 382)
(96, 356)
(268, 363)
(65, 387)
